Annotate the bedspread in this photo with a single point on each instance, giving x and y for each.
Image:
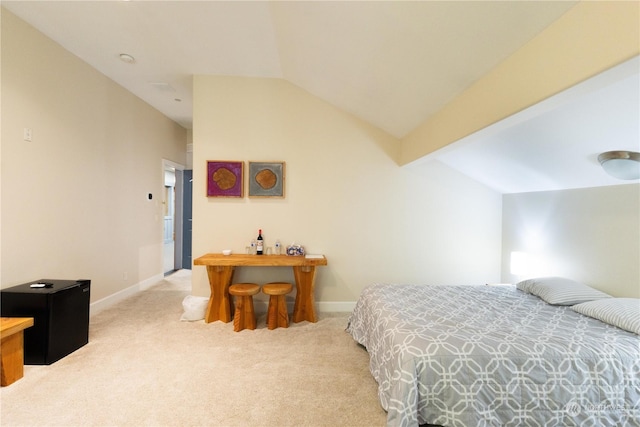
(494, 356)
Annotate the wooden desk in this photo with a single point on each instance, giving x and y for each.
(12, 347)
(220, 270)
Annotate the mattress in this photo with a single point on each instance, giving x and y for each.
(494, 356)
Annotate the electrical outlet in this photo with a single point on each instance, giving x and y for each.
(27, 134)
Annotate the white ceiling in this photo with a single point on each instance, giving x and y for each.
(555, 144)
(390, 63)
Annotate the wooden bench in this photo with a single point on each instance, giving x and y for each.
(12, 347)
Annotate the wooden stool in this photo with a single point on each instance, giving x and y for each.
(244, 316)
(277, 315)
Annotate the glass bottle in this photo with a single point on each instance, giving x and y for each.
(259, 243)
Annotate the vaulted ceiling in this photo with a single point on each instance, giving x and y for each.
(390, 63)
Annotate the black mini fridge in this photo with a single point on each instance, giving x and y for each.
(60, 309)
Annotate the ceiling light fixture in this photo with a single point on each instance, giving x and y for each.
(621, 164)
(163, 86)
(125, 57)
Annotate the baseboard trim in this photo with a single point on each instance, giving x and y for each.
(113, 299)
(260, 306)
(336, 306)
(151, 281)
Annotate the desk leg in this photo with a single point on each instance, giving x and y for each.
(304, 308)
(219, 307)
(12, 358)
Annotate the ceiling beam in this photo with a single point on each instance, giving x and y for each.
(587, 40)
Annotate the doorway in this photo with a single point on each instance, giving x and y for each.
(176, 203)
(169, 221)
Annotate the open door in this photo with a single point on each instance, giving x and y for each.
(187, 197)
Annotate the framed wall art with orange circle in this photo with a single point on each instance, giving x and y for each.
(266, 179)
(225, 178)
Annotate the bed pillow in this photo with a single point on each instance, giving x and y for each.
(560, 291)
(621, 312)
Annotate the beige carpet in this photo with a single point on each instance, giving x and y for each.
(143, 366)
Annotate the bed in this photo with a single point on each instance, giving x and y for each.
(495, 356)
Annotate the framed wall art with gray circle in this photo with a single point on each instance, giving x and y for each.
(266, 179)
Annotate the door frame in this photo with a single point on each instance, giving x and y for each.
(178, 169)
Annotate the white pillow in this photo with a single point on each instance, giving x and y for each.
(621, 312)
(560, 291)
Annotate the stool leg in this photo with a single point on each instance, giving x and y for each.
(250, 315)
(277, 315)
(272, 312)
(238, 324)
(283, 315)
(244, 317)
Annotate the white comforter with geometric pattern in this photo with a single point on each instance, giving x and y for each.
(494, 356)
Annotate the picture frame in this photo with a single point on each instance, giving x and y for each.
(266, 179)
(225, 178)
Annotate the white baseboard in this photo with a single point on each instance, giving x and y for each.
(260, 306)
(336, 306)
(153, 280)
(113, 299)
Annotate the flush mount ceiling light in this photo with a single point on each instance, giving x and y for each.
(621, 164)
(125, 57)
(163, 86)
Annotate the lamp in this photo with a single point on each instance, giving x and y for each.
(520, 263)
(621, 164)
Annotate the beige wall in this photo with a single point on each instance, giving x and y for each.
(591, 235)
(345, 195)
(590, 38)
(74, 199)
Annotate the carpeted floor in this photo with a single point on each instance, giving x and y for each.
(144, 367)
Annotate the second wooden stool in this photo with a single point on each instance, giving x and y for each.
(277, 315)
(244, 316)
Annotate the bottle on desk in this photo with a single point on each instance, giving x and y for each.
(278, 247)
(259, 243)
(252, 249)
